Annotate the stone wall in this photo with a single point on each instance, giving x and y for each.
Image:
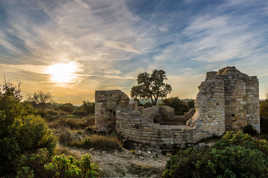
(241, 94)
(241, 99)
(227, 100)
(207, 121)
(107, 102)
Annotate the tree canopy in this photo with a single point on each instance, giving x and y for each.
(151, 86)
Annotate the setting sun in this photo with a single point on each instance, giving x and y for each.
(63, 73)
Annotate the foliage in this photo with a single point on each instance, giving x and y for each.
(235, 155)
(99, 142)
(67, 107)
(85, 109)
(41, 165)
(73, 123)
(67, 166)
(250, 130)
(151, 86)
(264, 116)
(20, 131)
(40, 97)
(264, 109)
(11, 89)
(32, 164)
(179, 106)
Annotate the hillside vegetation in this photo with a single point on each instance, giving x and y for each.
(39, 138)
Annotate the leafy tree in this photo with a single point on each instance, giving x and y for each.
(151, 86)
(264, 109)
(40, 97)
(11, 89)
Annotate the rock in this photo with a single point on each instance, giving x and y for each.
(151, 113)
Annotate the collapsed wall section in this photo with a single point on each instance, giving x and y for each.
(227, 100)
(241, 99)
(107, 102)
(207, 121)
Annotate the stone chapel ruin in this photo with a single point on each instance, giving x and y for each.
(227, 100)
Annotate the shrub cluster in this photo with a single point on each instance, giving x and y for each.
(179, 106)
(27, 145)
(20, 132)
(73, 123)
(98, 142)
(40, 165)
(235, 155)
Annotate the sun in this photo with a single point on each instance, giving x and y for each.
(63, 73)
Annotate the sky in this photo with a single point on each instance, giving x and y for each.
(71, 48)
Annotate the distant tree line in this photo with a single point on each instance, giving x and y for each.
(264, 115)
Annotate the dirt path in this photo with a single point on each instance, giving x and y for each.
(125, 163)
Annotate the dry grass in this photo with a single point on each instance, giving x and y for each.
(73, 123)
(99, 142)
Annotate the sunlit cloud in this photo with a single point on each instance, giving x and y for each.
(83, 45)
(63, 73)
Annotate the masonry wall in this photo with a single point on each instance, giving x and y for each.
(241, 99)
(227, 100)
(107, 102)
(207, 121)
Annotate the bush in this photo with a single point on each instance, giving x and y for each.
(67, 166)
(235, 155)
(41, 165)
(250, 130)
(179, 106)
(85, 109)
(99, 142)
(67, 107)
(264, 109)
(32, 164)
(73, 123)
(20, 133)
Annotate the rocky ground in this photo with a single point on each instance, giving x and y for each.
(125, 163)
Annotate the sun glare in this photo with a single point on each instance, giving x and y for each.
(63, 73)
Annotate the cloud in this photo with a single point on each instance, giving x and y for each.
(113, 41)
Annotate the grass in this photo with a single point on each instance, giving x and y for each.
(99, 142)
(72, 123)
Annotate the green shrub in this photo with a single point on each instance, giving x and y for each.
(67, 107)
(20, 132)
(250, 130)
(67, 166)
(85, 109)
(235, 155)
(179, 106)
(264, 109)
(99, 142)
(33, 164)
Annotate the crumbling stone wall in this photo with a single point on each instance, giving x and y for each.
(106, 105)
(227, 100)
(241, 99)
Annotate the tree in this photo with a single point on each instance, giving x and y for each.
(10, 89)
(151, 86)
(264, 109)
(40, 97)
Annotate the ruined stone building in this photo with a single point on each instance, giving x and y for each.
(227, 100)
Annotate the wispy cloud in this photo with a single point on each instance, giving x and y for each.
(115, 40)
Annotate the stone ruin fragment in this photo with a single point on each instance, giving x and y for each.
(227, 100)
